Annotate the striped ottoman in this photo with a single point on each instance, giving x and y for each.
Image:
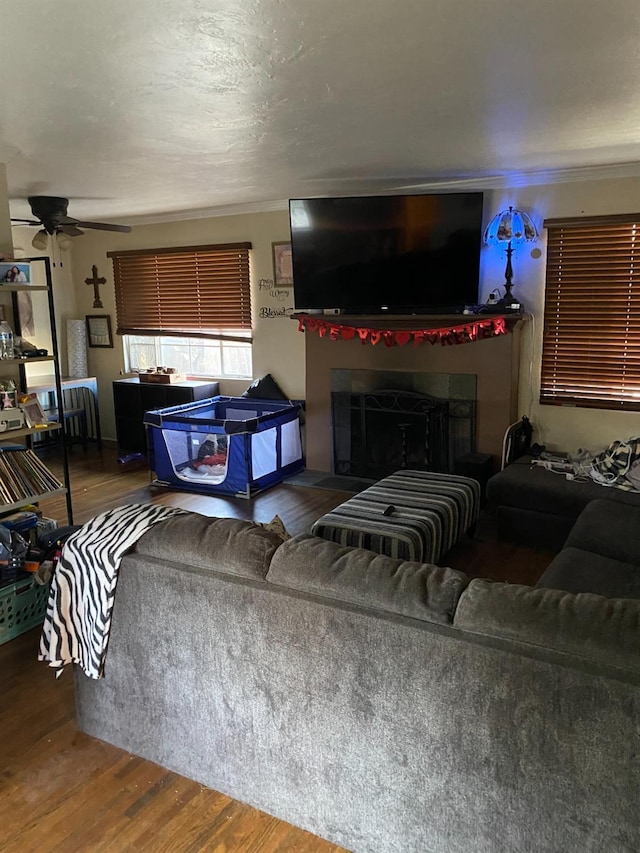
(410, 515)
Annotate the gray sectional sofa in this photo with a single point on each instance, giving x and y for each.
(537, 507)
(382, 705)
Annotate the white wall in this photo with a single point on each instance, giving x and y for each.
(278, 347)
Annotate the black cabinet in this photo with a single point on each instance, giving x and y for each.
(132, 398)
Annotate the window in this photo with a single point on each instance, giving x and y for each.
(187, 307)
(230, 358)
(591, 341)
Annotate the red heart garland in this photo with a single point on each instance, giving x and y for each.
(447, 336)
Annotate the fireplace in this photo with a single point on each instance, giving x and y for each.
(377, 433)
(478, 381)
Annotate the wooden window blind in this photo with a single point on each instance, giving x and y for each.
(591, 340)
(187, 291)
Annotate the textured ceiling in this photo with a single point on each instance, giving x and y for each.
(152, 107)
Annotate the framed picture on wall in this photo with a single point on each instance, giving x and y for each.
(282, 265)
(15, 272)
(99, 330)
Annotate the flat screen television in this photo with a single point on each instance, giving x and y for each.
(410, 254)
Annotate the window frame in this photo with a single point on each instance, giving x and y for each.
(222, 339)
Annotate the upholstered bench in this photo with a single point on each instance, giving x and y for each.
(409, 515)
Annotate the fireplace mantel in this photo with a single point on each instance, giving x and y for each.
(495, 362)
(400, 322)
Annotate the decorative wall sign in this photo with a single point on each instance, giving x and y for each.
(99, 330)
(271, 313)
(282, 264)
(473, 330)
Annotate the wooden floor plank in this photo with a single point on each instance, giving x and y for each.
(62, 791)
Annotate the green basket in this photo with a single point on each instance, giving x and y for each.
(23, 605)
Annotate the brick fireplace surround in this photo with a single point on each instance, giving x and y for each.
(494, 361)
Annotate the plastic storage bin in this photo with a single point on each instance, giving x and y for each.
(225, 445)
(23, 605)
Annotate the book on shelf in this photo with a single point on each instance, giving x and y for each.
(24, 476)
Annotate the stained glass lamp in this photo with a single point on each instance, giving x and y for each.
(512, 227)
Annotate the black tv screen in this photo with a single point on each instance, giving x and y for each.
(397, 254)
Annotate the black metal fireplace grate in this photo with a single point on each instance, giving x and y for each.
(376, 433)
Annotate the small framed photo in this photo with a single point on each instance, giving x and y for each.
(282, 265)
(99, 330)
(15, 272)
(33, 413)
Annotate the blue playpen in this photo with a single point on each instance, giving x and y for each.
(225, 445)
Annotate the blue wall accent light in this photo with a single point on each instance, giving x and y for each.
(512, 227)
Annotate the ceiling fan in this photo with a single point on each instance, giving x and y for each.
(51, 216)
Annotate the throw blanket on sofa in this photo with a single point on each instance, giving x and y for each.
(613, 465)
(78, 619)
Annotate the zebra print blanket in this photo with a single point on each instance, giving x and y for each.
(78, 620)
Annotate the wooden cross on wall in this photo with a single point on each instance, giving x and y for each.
(95, 281)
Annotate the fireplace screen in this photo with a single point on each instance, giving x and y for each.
(377, 433)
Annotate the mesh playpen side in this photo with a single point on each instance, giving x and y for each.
(225, 445)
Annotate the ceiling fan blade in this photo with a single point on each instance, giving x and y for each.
(26, 221)
(71, 230)
(103, 226)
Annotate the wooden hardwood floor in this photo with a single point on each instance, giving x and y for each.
(64, 791)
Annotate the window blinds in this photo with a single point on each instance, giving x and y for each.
(591, 340)
(183, 291)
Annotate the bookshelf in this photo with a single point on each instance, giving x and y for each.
(24, 478)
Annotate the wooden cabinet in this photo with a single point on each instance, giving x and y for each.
(132, 398)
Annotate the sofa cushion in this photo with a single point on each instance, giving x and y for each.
(609, 528)
(224, 544)
(575, 570)
(535, 488)
(362, 577)
(606, 630)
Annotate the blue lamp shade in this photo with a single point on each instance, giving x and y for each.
(510, 226)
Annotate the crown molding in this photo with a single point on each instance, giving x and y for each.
(506, 180)
(207, 212)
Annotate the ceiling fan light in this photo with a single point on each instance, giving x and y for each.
(40, 241)
(63, 240)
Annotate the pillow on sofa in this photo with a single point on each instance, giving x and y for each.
(265, 388)
(418, 590)
(223, 544)
(276, 525)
